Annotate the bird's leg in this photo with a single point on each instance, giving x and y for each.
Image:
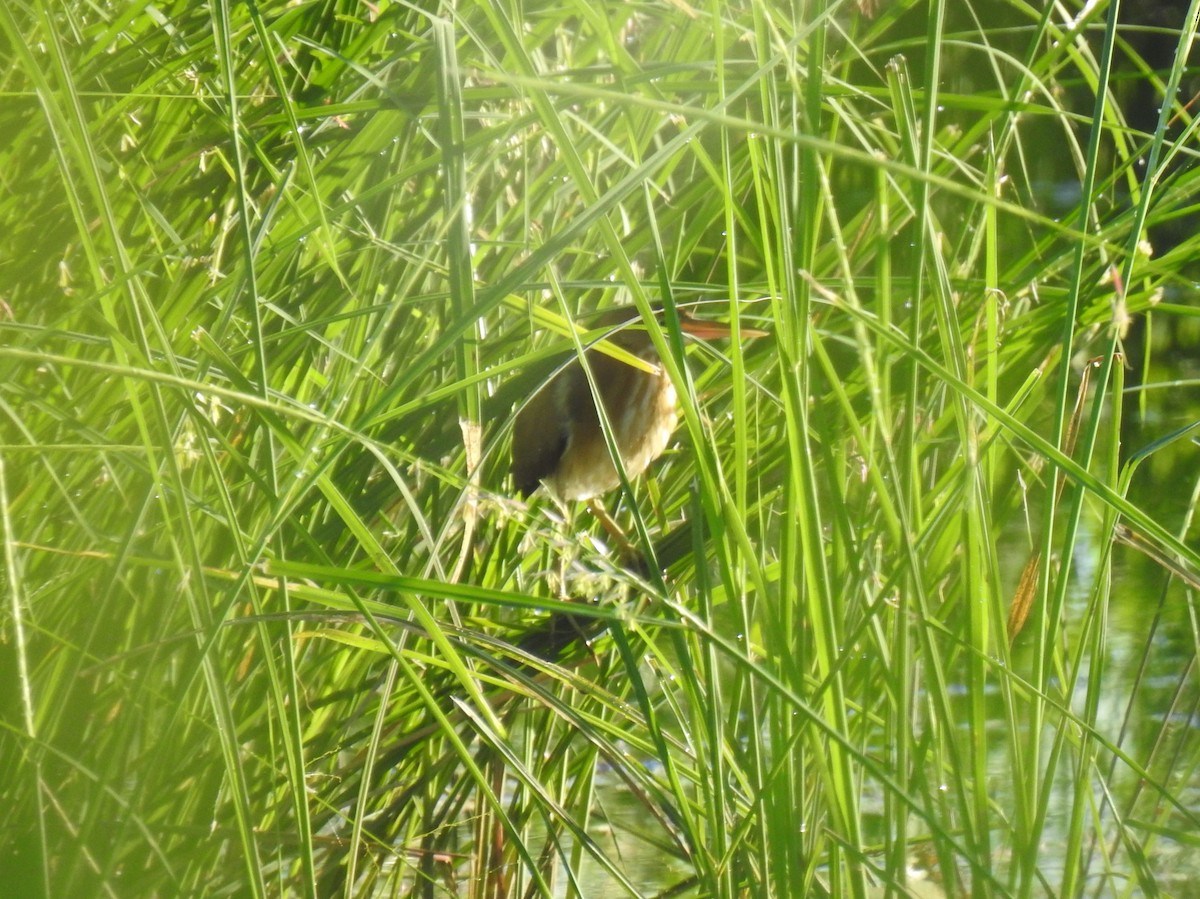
(630, 554)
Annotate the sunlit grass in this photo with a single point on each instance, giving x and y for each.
(277, 279)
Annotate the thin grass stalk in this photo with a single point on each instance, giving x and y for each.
(813, 586)
(970, 781)
(777, 850)
(787, 807)
(919, 157)
(456, 199)
(282, 677)
(738, 710)
(36, 874)
(1093, 640)
(240, 784)
(901, 719)
(1051, 622)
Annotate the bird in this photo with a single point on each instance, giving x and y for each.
(558, 440)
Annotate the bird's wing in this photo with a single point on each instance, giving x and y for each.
(539, 438)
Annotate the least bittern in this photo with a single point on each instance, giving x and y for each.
(558, 439)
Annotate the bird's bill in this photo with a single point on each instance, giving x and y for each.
(707, 330)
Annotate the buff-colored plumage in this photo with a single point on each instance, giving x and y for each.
(557, 437)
